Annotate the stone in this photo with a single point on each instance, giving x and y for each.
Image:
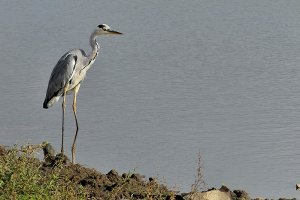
(209, 195)
(240, 195)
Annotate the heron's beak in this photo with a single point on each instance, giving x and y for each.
(114, 32)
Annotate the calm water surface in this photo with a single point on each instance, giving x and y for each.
(219, 77)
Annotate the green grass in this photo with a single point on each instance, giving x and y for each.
(22, 177)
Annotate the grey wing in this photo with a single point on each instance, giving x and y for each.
(60, 76)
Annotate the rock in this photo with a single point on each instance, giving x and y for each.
(209, 195)
(224, 189)
(112, 172)
(48, 149)
(177, 197)
(3, 151)
(137, 177)
(224, 193)
(113, 175)
(240, 195)
(49, 154)
(151, 179)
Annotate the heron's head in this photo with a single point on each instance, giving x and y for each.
(104, 29)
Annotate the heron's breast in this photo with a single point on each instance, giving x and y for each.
(80, 75)
(76, 79)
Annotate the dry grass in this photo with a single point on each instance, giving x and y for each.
(199, 184)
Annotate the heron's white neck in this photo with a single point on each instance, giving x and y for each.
(95, 47)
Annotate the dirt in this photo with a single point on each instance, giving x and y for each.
(110, 185)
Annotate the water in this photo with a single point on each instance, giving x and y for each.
(219, 77)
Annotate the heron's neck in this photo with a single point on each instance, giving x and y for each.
(95, 47)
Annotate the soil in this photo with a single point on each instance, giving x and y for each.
(110, 185)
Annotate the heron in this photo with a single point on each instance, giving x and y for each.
(68, 74)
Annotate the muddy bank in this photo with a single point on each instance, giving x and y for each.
(112, 185)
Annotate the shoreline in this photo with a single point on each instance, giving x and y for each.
(88, 183)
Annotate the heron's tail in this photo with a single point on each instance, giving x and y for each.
(45, 103)
(49, 102)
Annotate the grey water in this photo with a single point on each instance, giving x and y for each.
(219, 77)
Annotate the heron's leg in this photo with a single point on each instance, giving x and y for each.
(74, 110)
(63, 120)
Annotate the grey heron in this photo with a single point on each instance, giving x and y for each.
(67, 75)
